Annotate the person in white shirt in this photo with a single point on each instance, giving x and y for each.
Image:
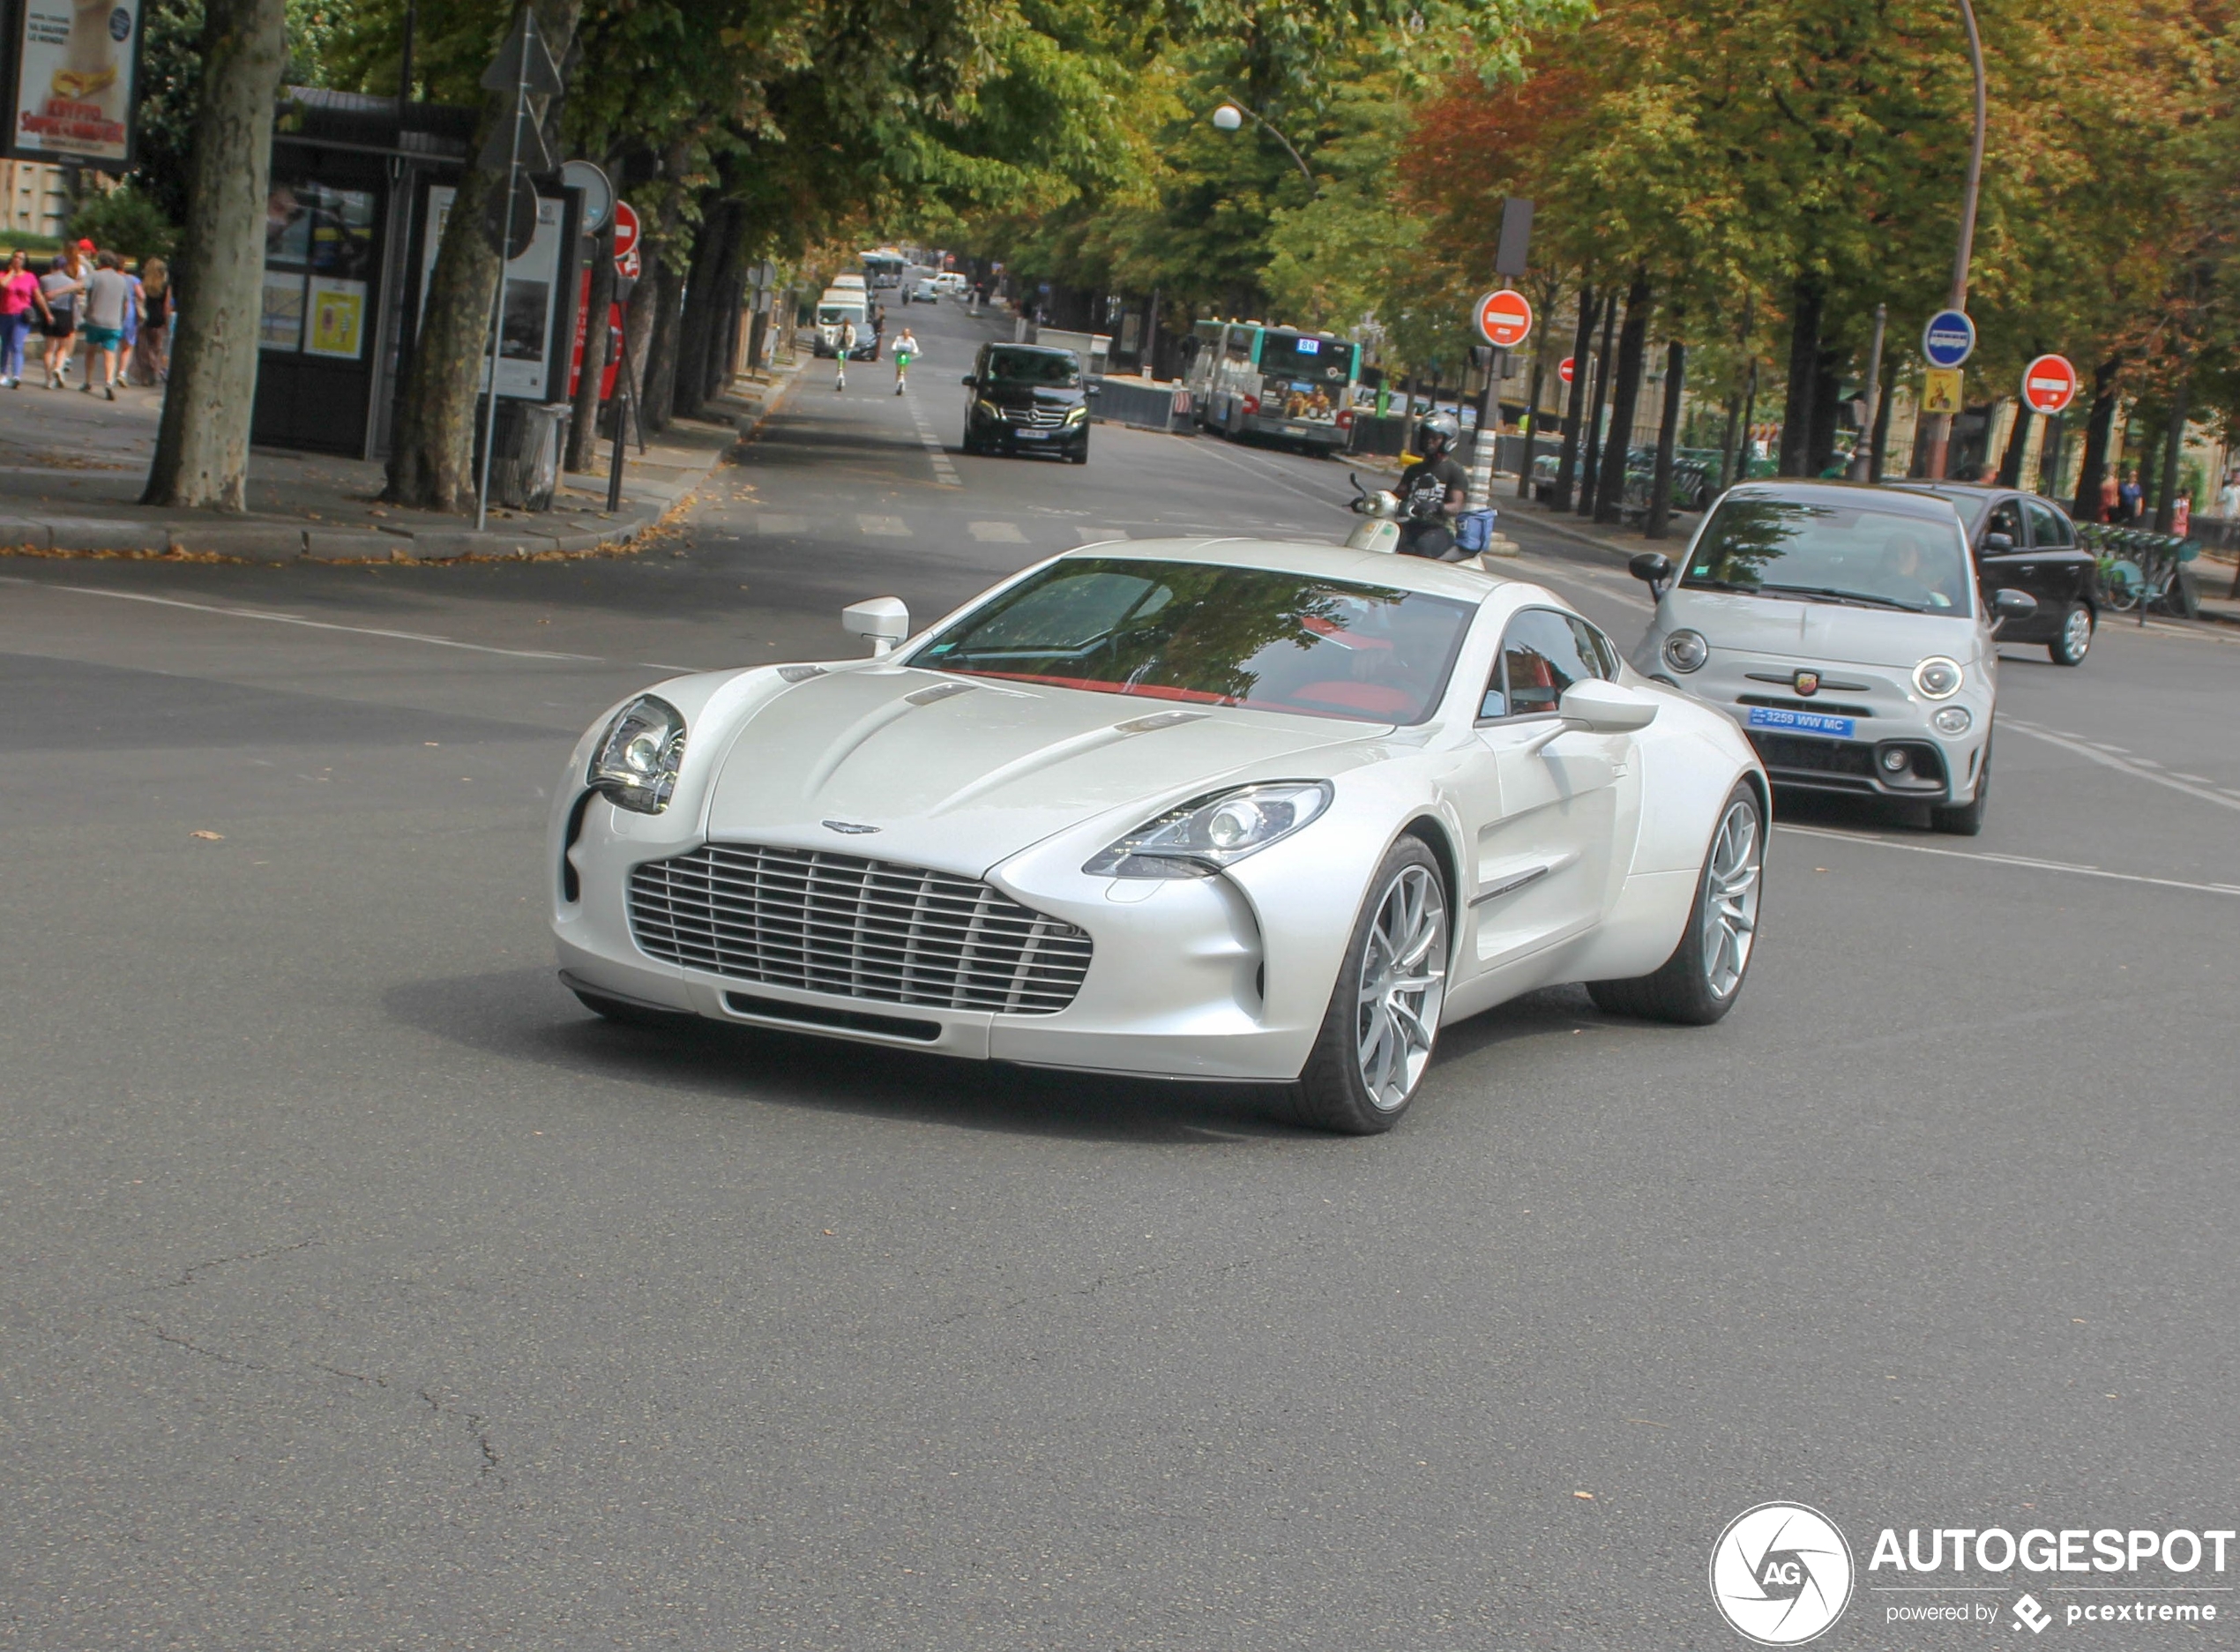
(109, 297)
(845, 343)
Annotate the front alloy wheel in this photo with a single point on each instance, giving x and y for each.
(1383, 1022)
(2074, 641)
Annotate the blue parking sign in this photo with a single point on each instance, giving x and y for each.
(1949, 339)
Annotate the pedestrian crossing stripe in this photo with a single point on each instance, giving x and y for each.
(997, 532)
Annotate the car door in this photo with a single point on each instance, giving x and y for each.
(2063, 565)
(2009, 566)
(1555, 827)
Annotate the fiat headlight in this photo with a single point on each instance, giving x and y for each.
(1686, 650)
(1952, 720)
(1938, 677)
(1208, 834)
(636, 764)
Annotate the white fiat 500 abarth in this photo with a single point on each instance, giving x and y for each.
(1842, 628)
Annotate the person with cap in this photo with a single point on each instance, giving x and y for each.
(1433, 491)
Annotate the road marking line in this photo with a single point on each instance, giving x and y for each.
(890, 526)
(1262, 472)
(2025, 860)
(944, 472)
(1097, 535)
(780, 522)
(2108, 758)
(997, 532)
(312, 624)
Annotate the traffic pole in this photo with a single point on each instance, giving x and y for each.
(505, 246)
(1938, 433)
(1862, 457)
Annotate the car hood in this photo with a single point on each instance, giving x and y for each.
(1031, 395)
(961, 775)
(1825, 632)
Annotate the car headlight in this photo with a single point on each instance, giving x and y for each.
(637, 758)
(1952, 720)
(1938, 677)
(988, 407)
(1208, 834)
(1078, 414)
(1686, 650)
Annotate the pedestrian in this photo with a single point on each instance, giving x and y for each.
(108, 295)
(2110, 495)
(151, 362)
(845, 341)
(2130, 499)
(2182, 515)
(60, 287)
(20, 304)
(134, 310)
(904, 347)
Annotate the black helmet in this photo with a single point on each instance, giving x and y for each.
(1441, 425)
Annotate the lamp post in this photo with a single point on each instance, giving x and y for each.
(1939, 433)
(1231, 117)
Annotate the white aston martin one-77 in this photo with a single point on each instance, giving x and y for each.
(1208, 809)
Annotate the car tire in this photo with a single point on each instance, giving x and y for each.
(1080, 455)
(625, 1014)
(1700, 982)
(1966, 820)
(2073, 638)
(1376, 1042)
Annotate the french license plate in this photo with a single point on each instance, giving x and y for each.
(1801, 721)
(1030, 436)
(1295, 429)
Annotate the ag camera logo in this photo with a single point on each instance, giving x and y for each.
(1781, 1573)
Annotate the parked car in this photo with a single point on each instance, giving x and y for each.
(1840, 625)
(2027, 542)
(1206, 808)
(1028, 397)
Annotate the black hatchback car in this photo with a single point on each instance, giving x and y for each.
(1027, 397)
(2027, 542)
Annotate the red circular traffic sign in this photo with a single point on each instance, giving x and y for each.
(625, 228)
(1564, 368)
(2050, 384)
(1504, 318)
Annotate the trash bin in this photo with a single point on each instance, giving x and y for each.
(525, 461)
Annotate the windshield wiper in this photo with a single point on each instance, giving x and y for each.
(1828, 594)
(1707, 584)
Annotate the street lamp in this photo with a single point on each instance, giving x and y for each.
(1940, 424)
(1231, 117)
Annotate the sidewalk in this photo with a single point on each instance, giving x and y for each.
(72, 466)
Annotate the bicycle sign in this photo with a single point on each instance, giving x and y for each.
(1949, 339)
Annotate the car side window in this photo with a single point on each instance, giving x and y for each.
(2049, 528)
(2006, 518)
(1595, 648)
(1542, 654)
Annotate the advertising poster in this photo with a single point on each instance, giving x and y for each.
(281, 325)
(338, 318)
(525, 323)
(77, 62)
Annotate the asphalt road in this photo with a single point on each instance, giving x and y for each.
(361, 1291)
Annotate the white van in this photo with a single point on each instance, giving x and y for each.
(839, 305)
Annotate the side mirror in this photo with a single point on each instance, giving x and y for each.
(1994, 543)
(1096, 390)
(1602, 707)
(883, 619)
(1652, 568)
(2009, 603)
(970, 380)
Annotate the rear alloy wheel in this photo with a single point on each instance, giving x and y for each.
(1376, 1038)
(2073, 641)
(1700, 982)
(1966, 820)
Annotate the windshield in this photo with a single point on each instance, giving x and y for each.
(833, 315)
(1034, 367)
(1289, 355)
(1835, 553)
(1248, 637)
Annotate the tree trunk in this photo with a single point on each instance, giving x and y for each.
(2086, 506)
(1676, 375)
(1567, 463)
(1590, 481)
(1803, 360)
(2173, 450)
(1609, 497)
(202, 446)
(660, 345)
(1532, 428)
(731, 296)
(583, 430)
(700, 325)
(2018, 439)
(432, 465)
(1827, 409)
(1881, 437)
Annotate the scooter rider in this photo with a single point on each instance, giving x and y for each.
(1433, 491)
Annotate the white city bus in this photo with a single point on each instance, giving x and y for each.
(1295, 386)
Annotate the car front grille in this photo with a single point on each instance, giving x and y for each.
(1821, 757)
(860, 929)
(1039, 417)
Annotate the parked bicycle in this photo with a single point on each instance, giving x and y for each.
(2139, 571)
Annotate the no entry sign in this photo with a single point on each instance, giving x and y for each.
(625, 230)
(1504, 318)
(1564, 368)
(2049, 384)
